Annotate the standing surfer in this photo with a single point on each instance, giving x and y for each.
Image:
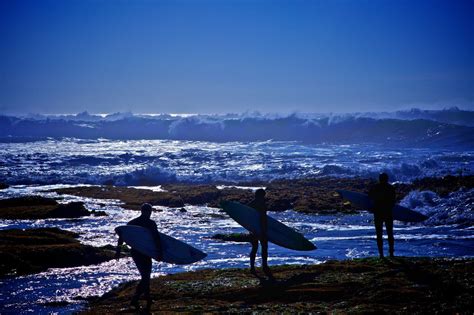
(383, 197)
(143, 262)
(259, 204)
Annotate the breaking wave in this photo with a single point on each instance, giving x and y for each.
(456, 208)
(154, 162)
(451, 127)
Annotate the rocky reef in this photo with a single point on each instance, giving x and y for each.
(311, 195)
(35, 250)
(36, 207)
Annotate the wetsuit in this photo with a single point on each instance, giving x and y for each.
(383, 198)
(262, 209)
(143, 262)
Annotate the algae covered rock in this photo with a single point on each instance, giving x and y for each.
(36, 207)
(35, 250)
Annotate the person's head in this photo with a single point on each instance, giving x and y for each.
(260, 194)
(146, 209)
(383, 178)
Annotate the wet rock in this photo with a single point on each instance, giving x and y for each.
(309, 195)
(3, 186)
(400, 285)
(35, 250)
(233, 237)
(443, 186)
(132, 198)
(70, 210)
(36, 207)
(194, 194)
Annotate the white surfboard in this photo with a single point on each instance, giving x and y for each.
(277, 233)
(400, 213)
(174, 251)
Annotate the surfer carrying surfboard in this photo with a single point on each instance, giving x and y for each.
(259, 204)
(142, 261)
(383, 198)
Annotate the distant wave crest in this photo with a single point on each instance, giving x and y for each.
(417, 128)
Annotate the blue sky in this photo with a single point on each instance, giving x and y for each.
(232, 56)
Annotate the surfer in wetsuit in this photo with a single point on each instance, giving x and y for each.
(142, 262)
(383, 198)
(259, 204)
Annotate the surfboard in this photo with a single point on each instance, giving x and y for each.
(277, 232)
(174, 250)
(400, 213)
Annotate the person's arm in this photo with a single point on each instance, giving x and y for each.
(264, 223)
(372, 195)
(118, 249)
(393, 196)
(157, 239)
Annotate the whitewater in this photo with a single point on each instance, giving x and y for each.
(152, 162)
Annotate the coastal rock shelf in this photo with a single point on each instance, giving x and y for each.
(36, 207)
(311, 195)
(35, 250)
(400, 285)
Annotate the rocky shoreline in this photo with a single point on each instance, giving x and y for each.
(310, 195)
(316, 288)
(398, 286)
(37, 207)
(35, 250)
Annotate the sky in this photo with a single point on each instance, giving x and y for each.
(226, 56)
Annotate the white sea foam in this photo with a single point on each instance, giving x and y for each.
(154, 162)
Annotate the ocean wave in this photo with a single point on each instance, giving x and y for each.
(394, 129)
(455, 209)
(153, 162)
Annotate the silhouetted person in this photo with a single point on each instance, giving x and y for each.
(143, 262)
(383, 198)
(259, 204)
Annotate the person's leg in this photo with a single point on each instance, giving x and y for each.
(146, 282)
(379, 231)
(253, 254)
(137, 259)
(391, 241)
(264, 245)
(143, 264)
(265, 267)
(146, 275)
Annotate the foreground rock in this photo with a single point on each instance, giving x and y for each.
(402, 285)
(3, 186)
(35, 250)
(312, 195)
(36, 207)
(233, 237)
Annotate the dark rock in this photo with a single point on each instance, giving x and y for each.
(234, 237)
(70, 210)
(132, 197)
(27, 201)
(36, 207)
(3, 186)
(310, 195)
(35, 250)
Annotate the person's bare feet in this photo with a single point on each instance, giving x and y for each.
(268, 272)
(134, 303)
